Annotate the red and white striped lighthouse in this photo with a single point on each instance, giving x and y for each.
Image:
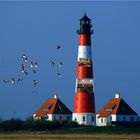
(84, 104)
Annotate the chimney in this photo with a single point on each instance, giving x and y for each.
(117, 95)
(55, 96)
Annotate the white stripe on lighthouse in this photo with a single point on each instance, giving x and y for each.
(84, 52)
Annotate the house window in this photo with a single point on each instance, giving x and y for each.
(60, 118)
(46, 117)
(84, 119)
(75, 119)
(108, 109)
(54, 118)
(131, 119)
(110, 118)
(118, 118)
(92, 119)
(68, 118)
(45, 109)
(105, 120)
(102, 120)
(124, 119)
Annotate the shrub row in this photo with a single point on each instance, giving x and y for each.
(19, 125)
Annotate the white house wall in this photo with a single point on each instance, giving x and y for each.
(127, 117)
(63, 117)
(51, 117)
(78, 117)
(103, 121)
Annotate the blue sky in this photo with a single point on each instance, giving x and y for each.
(36, 28)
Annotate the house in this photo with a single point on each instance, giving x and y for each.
(116, 110)
(53, 109)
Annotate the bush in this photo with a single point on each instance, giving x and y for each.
(11, 125)
(30, 125)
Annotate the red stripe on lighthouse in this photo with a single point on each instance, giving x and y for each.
(84, 71)
(84, 102)
(84, 40)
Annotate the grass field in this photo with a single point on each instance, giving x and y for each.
(40, 136)
(82, 133)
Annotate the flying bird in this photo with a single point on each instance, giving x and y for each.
(23, 65)
(35, 65)
(13, 80)
(24, 71)
(34, 71)
(24, 57)
(59, 75)
(31, 65)
(35, 82)
(59, 47)
(53, 63)
(60, 64)
(5, 81)
(19, 79)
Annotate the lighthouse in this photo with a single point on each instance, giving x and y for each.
(84, 102)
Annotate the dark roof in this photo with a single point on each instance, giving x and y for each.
(116, 106)
(85, 17)
(52, 106)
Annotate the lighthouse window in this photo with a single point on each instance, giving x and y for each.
(82, 21)
(84, 118)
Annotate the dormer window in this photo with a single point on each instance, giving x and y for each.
(45, 108)
(108, 109)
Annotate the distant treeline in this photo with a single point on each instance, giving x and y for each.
(29, 125)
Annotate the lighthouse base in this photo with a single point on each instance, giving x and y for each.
(84, 118)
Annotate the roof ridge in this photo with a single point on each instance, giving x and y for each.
(118, 105)
(54, 106)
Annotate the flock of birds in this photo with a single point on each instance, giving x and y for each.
(54, 63)
(33, 66)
